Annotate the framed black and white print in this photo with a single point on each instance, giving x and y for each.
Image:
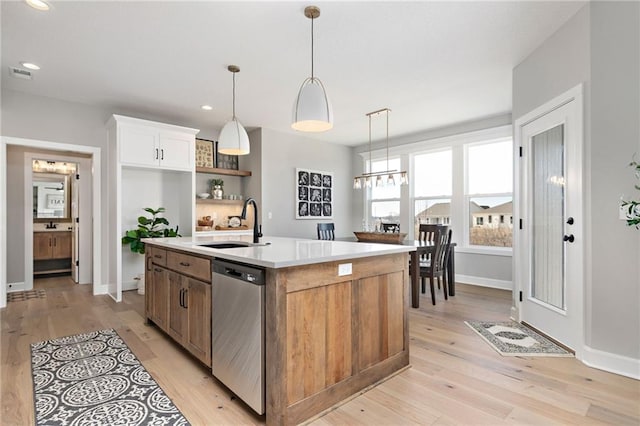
(314, 194)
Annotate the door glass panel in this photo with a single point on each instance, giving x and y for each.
(548, 284)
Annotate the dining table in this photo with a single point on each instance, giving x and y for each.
(422, 248)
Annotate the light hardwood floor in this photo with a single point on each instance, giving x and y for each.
(455, 377)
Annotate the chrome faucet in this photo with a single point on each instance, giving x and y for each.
(257, 229)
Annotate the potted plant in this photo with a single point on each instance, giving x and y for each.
(631, 208)
(216, 188)
(153, 227)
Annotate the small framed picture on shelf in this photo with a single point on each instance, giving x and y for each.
(224, 161)
(204, 153)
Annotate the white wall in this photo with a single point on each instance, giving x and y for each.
(281, 155)
(600, 46)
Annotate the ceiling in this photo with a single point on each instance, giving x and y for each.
(433, 63)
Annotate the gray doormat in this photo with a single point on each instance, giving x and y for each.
(94, 378)
(510, 338)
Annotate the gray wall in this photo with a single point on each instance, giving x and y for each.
(615, 137)
(599, 46)
(281, 155)
(35, 117)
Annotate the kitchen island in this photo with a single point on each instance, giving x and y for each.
(335, 313)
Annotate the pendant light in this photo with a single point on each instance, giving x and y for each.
(312, 110)
(233, 138)
(366, 179)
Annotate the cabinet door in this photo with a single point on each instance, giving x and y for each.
(139, 146)
(61, 246)
(177, 151)
(157, 289)
(198, 339)
(177, 307)
(42, 245)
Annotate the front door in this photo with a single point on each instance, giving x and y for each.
(551, 244)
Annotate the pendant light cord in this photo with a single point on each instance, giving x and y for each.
(234, 96)
(370, 163)
(312, 19)
(387, 139)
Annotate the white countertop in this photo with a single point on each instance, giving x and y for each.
(279, 252)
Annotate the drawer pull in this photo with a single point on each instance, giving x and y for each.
(157, 256)
(184, 264)
(157, 269)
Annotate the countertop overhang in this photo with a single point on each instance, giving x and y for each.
(279, 252)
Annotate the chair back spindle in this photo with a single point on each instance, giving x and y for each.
(326, 231)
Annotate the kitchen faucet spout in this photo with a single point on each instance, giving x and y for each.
(257, 229)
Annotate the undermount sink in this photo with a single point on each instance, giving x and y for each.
(225, 245)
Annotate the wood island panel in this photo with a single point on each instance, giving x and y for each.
(329, 337)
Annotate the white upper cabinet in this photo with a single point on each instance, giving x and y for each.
(149, 144)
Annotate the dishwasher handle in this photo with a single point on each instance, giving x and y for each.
(238, 271)
(232, 272)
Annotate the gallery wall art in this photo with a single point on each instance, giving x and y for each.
(314, 194)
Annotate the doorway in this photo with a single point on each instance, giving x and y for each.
(62, 222)
(12, 209)
(550, 243)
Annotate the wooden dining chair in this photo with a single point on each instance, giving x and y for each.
(326, 231)
(390, 227)
(436, 267)
(428, 232)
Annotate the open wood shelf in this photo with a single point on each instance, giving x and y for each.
(211, 201)
(227, 172)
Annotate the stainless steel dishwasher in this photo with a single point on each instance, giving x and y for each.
(238, 330)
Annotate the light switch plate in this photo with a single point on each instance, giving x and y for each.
(344, 269)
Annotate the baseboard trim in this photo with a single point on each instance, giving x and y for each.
(484, 282)
(12, 287)
(131, 285)
(613, 363)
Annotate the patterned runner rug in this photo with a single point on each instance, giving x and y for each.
(94, 378)
(510, 338)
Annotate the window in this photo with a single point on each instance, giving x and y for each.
(489, 196)
(432, 177)
(384, 200)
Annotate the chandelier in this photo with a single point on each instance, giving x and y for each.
(386, 177)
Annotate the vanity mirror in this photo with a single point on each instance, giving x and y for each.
(51, 195)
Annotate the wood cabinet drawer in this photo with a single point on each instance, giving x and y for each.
(196, 267)
(158, 256)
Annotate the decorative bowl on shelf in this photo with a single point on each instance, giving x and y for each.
(203, 195)
(205, 221)
(381, 237)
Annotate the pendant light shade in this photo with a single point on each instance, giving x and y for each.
(233, 138)
(312, 110)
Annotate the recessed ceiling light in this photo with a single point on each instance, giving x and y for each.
(38, 4)
(206, 107)
(30, 65)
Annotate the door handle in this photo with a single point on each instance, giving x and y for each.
(182, 297)
(570, 221)
(569, 238)
(162, 154)
(156, 153)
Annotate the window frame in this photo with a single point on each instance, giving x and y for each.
(467, 197)
(459, 205)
